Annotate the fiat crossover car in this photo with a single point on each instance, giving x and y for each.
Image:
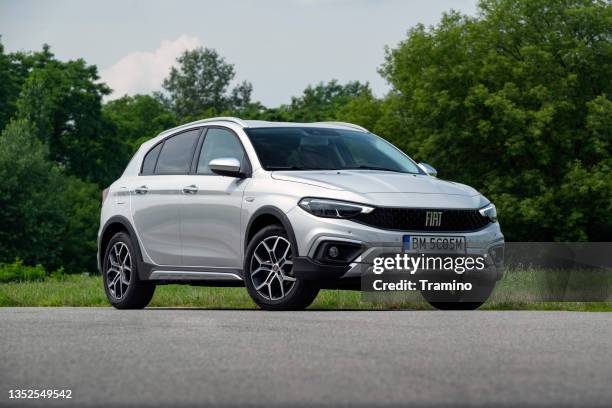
(284, 209)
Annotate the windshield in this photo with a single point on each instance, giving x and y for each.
(295, 148)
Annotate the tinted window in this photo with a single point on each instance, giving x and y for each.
(148, 165)
(175, 156)
(218, 143)
(326, 149)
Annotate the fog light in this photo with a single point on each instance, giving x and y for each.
(333, 252)
(336, 252)
(497, 254)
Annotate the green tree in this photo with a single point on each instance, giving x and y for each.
(138, 118)
(33, 208)
(241, 96)
(9, 88)
(323, 101)
(199, 85)
(24, 62)
(48, 218)
(63, 102)
(515, 102)
(14, 70)
(79, 233)
(364, 110)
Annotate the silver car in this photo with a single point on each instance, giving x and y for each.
(284, 209)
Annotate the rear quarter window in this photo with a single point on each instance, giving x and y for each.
(148, 164)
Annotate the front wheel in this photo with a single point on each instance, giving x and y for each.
(123, 288)
(268, 272)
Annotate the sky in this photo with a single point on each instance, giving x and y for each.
(280, 46)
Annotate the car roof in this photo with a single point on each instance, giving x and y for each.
(337, 125)
(264, 124)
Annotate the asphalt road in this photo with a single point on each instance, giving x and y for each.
(161, 357)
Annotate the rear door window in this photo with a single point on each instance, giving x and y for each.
(177, 153)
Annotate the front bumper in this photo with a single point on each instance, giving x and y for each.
(311, 231)
(309, 269)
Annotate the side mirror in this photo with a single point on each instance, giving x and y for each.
(428, 169)
(226, 166)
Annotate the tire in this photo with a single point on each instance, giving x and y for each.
(456, 305)
(122, 285)
(481, 291)
(268, 272)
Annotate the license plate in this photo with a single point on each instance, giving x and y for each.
(434, 244)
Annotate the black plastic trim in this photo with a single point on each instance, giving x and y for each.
(276, 212)
(321, 257)
(196, 154)
(309, 269)
(356, 220)
(144, 269)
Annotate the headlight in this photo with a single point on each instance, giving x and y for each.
(489, 211)
(322, 207)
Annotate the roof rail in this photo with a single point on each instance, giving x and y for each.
(231, 119)
(346, 124)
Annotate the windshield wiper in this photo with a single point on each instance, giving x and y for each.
(284, 168)
(296, 168)
(372, 168)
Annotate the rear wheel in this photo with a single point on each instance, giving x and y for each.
(268, 272)
(122, 286)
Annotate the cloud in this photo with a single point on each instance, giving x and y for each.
(144, 71)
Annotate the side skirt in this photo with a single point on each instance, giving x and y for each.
(193, 276)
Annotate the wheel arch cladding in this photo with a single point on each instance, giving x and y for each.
(269, 215)
(113, 226)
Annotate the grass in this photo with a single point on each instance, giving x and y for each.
(17, 271)
(81, 290)
(515, 292)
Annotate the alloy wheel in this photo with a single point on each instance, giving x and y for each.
(119, 272)
(272, 268)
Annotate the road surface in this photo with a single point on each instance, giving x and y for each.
(187, 357)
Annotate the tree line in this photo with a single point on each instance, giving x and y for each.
(515, 101)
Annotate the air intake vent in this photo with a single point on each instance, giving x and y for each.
(416, 219)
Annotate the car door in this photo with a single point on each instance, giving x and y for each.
(211, 216)
(157, 196)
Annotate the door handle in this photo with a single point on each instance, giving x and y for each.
(141, 190)
(192, 189)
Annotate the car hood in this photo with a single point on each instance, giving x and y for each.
(372, 181)
(390, 189)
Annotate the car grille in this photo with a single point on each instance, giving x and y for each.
(413, 219)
